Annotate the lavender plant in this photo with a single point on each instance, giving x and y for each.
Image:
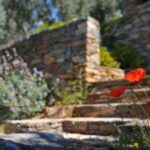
(21, 92)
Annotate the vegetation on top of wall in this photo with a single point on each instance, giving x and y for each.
(21, 92)
(107, 59)
(52, 26)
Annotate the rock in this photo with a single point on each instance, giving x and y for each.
(91, 36)
(17, 126)
(92, 71)
(146, 107)
(33, 141)
(36, 61)
(48, 59)
(82, 26)
(145, 28)
(92, 49)
(51, 141)
(60, 59)
(91, 80)
(7, 145)
(81, 29)
(78, 59)
(59, 112)
(48, 76)
(147, 38)
(94, 21)
(98, 110)
(96, 126)
(97, 74)
(91, 26)
(66, 76)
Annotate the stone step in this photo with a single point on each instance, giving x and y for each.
(59, 141)
(17, 126)
(35, 141)
(87, 126)
(117, 83)
(98, 126)
(99, 97)
(125, 110)
(77, 136)
(53, 141)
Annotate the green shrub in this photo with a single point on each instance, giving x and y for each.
(107, 59)
(73, 92)
(126, 55)
(21, 93)
(108, 29)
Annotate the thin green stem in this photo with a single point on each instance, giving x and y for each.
(145, 95)
(144, 91)
(136, 97)
(143, 130)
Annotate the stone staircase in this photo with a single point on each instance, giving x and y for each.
(85, 125)
(110, 110)
(99, 95)
(100, 130)
(103, 120)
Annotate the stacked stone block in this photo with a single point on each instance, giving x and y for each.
(66, 52)
(56, 52)
(134, 28)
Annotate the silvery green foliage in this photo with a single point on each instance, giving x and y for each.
(21, 92)
(18, 18)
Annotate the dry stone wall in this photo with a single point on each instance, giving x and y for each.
(67, 52)
(57, 52)
(134, 28)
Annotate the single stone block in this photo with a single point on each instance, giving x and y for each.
(48, 59)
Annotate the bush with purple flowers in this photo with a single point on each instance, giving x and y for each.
(22, 93)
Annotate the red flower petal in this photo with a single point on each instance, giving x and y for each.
(135, 75)
(117, 92)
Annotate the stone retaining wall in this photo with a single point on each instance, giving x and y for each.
(134, 28)
(67, 52)
(97, 110)
(58, 52)
(100, 73)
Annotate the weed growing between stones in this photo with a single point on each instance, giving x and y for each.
(69, 93)
(138, 138)
(73, 94)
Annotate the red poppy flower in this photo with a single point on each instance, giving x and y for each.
(117, 92)
(135, 75)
